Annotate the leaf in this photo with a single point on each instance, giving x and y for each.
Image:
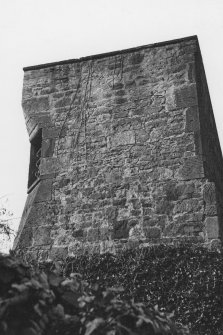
(75, 274)
(35, 283)
(38, 310)
(43, 280)
(54, 280)
(20, 288)
(59, 310)
(93, 325)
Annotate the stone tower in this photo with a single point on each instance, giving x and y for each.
(124, 151)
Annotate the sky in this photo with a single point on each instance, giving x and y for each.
(37, 32)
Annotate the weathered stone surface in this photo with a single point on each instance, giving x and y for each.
(192, 119)
(44, 191)
(210, 194)
(42, 236)
(121, 229)
(186, 96)
(36, 105)
(129, 152)
(59, 253)
(25, 238)
(211, 210)
(187, 205)
(152, 232)
(49, 165)
(123, 138)
(192, 168)
(48, 147)
(212, 227)
(51, 132)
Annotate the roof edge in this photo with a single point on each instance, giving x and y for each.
(108, 54)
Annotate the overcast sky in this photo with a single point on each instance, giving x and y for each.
(41, 31)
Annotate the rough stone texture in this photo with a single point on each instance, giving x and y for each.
(212, 227)
(130, 153)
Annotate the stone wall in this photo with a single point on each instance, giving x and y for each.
(130, 152)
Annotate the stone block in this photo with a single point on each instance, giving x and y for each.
(31, 123)
(58, 253)
(187, 205)
(91, 248)
(123, 138)
(24, 239)
(188, 190)
(66, 101)
(214, 245)
(162, 221)
(211, 210)
(75, 248)
(120, 100)
(49, 165)
(51, 132)
(192, 168)
(111, 213)
(192, 120)
(172, 191)
(104, 233)
(152, 232)
(164, 206)
(37, 215)
(44, 192)
(191, 72)
(121, 229)
(186, 96)
(44, 119)
(42, 236)
(36, 105)
(107, 246)
(48, 147)
(209, 194)
(78, 233)
(135, 232)
(198, 143)
(136, 58)
(93, 234)
(212, 227)
(118, 86)
(188, 229)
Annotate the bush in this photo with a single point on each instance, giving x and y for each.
(185, 279)
(36, 303)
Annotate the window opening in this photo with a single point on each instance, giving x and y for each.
(35, 158)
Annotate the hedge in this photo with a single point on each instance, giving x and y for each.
(33, 302)
(184, 279)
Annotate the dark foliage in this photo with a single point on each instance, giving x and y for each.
(185, 279)
(36, 303)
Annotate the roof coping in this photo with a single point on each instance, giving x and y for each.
(108, 54)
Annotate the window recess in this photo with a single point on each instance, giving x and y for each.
(35, 159)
